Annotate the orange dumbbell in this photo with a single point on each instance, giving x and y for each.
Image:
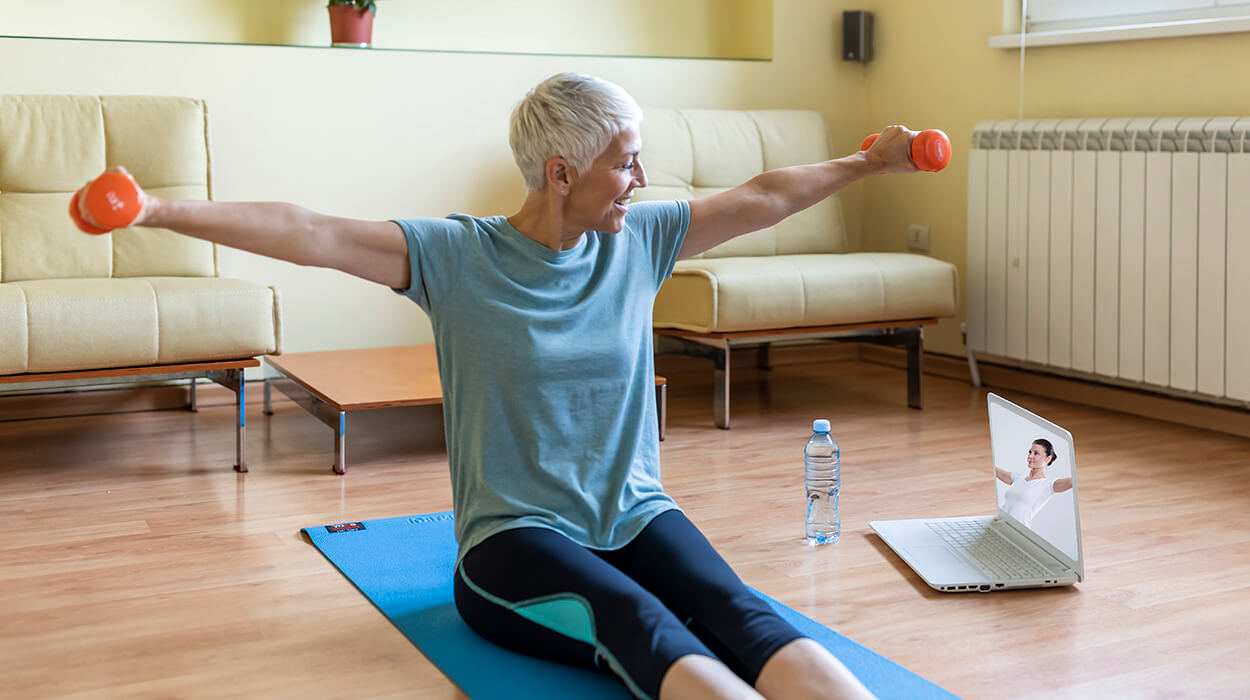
(112, 200)
(930, 149)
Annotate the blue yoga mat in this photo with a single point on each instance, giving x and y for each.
(404, 565)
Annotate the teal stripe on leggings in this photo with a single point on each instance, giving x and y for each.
(567, 614)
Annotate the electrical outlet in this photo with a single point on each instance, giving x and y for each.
(918, 237)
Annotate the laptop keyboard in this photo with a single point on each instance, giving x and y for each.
(988, 550)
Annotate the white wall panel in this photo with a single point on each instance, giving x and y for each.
(1158, 268)
(1017, 253)
(1060, 287)
(1212, 216)
(975, 282)
(1184, 312)
(1038, 271)
(1083, 190)
(1132, 263)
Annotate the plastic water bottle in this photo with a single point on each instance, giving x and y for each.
(822, 480)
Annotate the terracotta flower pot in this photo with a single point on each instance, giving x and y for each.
(350, 26)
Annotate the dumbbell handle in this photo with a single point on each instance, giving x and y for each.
(930, 149)
(113, 200)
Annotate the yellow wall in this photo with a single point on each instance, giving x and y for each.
(933, 68)
(382, 134)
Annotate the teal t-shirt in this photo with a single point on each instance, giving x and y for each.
(547, 369)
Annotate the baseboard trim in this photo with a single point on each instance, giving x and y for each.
(1136, 402)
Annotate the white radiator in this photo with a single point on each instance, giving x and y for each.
(1115, 249)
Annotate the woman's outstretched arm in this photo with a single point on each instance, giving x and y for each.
(772, 196)
(373, 250)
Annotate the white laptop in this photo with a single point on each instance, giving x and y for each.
(1034, 539)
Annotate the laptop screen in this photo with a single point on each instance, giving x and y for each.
(1033, 470)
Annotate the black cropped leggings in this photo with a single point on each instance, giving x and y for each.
(631, 611)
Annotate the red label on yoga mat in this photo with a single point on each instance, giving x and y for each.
(344, 527)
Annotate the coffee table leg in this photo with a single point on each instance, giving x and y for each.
(335, 419)
(340, 444)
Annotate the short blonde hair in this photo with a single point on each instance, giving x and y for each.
(571, 116)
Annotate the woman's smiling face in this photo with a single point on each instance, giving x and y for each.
(599, 199)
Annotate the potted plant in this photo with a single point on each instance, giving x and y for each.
(351, 22)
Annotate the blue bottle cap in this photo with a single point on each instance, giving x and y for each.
(820, 425)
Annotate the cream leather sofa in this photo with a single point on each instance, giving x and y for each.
(78, 309)
(797, 280)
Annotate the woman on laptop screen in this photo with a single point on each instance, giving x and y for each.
(1027, 494)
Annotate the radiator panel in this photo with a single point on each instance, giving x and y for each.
(1184, 330)
(1107, 265)
(996, 255)
(1060, 306)
(1212, 210)
(1131, 332)
(1157, 296)
(1083, 191)
(1237, 342)
(1017, 254)
(1037, 275)
(1116, 248)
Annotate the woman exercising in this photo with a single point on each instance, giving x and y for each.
(569, 549)
(1027, 493)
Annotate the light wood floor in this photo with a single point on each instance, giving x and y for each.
(135, 563)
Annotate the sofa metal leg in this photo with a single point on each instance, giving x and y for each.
(720, 388)
(718, 352)
(191, 403)
(764, 359)
(232, 379)
(913, 340)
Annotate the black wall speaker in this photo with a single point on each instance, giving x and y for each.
(856, 35)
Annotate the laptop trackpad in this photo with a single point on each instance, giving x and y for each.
(939, 565)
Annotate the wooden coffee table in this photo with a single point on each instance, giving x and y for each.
(333, 383)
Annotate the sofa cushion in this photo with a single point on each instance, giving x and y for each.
(38, 240)
(157, 252)
(76, 324)
(50, 145)
(721, 295)
(694, 153)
